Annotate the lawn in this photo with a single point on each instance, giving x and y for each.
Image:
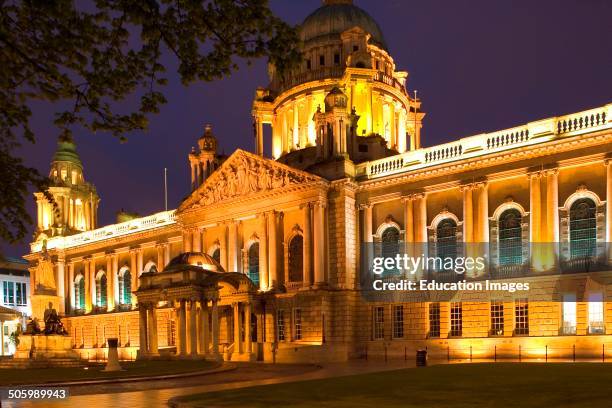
(131, 369)
(521, 385)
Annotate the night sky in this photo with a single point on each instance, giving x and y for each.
(478, 66)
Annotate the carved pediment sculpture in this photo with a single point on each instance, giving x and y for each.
(242, 174)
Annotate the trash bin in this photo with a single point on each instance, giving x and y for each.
(421, 358)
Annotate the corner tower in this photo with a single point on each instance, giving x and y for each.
(76, 201)
(345, 58)
(204, 160)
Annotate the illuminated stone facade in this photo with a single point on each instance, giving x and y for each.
(347, 168)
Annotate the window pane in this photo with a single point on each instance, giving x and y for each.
(253, 271)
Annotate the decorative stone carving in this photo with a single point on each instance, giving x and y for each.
(243, 174)
(45, 275)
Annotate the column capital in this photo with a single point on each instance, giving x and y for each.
(550, 172)
(305, 205)
(607, 161)
(365, 206)
(534, 174)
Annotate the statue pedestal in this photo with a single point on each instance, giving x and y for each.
(40, 303)
(41, 347)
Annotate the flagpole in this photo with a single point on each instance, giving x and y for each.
(166, 188)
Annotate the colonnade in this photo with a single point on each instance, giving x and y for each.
(269, 233)
(91, 266)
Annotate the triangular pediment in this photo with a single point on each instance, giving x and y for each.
(245, 174)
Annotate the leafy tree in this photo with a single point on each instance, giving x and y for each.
(96, 53)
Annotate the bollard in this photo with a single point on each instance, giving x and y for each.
(405, 353)
(366, 353)
(385, 353)
(546, 359)
(603, 353)
(495, 355)
(519, 353)
(574, 352)
(470, 353)
(447, 353)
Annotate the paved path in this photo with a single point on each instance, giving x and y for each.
(157, 393)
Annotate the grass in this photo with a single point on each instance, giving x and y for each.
(523, 385)
(131, 369)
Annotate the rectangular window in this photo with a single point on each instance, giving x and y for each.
(280, 325)
(398, 321)
(308, 64)
(377, 65)
(521, 317)
(596, 314)
(497, 318)
(230, 326)
(5, 292)
(355, 48)
(21, 297)
(9, 293)
(434, 319)
(456, 313)
(337, 59)
(322, 60)
(297, 324)
(379, 323)
(171, 333)
(569, 314)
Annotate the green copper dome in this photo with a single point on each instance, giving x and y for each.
(337, 16)
(66, 152)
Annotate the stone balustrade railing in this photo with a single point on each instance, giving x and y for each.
(157, 220)
(532, 133)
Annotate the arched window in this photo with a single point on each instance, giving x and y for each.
(217, 255)
(79, 292)
(446, 239)
(101, 290)
(125, 287)
(583, 228)
(296, 259)
(390, 243)
(253, 267)
(510, 233)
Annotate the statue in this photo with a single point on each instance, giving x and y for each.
(45, 275)
(33, 327)
(53, 324)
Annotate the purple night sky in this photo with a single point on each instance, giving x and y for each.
(478, 66)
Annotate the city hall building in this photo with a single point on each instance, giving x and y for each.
(262, 260)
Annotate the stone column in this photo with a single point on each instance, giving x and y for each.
(187, 236)
(71, 300)
(86, 277)
(61, 279)
(115, 270)
(152, 329)
(197, 240)
(319, 244)
(204, 329)
(142, 329)
(272, 250)
(232, 246)
(215, 328)
(483, 213)
(534, 206)
(223, 246)
(247, 328)
(110, 278)
(2, 336)
(408, 219)
(307, 280)
(552, 209)
(367, 222)
(133, 274)
(263, 253)
(166, 253)
(237, 327)
(182, 329)
(420, 232)
(160, 257)
(139, 263)
(92, 280)
(259, 147)
(468, 211)
(193, 331)
(608, 164)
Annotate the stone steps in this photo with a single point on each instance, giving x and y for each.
(46, 363)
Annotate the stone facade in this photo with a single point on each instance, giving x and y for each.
(347, 169)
